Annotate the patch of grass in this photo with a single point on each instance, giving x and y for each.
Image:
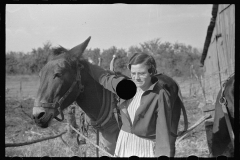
(195, 144)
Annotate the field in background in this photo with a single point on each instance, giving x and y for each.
(28, 84)
(20, 128)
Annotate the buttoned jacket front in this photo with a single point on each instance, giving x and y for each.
(153, 117)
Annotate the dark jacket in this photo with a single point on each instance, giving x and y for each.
(150, 120)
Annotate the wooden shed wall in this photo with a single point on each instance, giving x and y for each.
(220, 60)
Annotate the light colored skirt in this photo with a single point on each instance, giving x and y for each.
(129, 144)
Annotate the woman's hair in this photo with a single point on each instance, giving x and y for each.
(143, 58)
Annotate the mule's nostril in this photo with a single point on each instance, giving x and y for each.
(40, 115)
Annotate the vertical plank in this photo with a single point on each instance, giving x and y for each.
(216, 77)
(225, 47)
(222, 46)
(232, 39)
(211, 75)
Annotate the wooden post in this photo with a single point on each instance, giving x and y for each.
(112, 63)
(191, 83)
(71, 120)
(99, 61)
(20, 90)
(202, 87)
(83, 131)
(20, 86)
(209, 128)
(190, 89)
(209, 108)
(97, 150)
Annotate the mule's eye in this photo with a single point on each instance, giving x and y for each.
(57, 75)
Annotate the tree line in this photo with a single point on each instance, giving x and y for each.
(173, 59)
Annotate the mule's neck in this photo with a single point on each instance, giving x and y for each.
(90, 100)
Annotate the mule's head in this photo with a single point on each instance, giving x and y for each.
(60, 84)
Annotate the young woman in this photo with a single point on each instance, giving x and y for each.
(142, 67)
(144, 131)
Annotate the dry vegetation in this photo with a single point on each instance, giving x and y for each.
(20, 128)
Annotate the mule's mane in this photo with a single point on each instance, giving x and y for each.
(59, 50)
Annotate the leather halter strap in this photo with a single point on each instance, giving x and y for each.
(57, 105)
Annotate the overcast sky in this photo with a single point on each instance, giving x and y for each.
(120, 25)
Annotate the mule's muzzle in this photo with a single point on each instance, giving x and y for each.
(41, 118)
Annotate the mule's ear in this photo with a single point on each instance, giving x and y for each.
(79, 49)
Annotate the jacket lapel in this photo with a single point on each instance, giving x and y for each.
(139, 112)
(124, 106)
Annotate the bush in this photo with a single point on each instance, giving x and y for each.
(171, 59)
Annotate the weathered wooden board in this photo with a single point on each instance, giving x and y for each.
(220, 60)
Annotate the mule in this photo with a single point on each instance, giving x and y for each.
(221, 141)
(67, 77)
(60, 86)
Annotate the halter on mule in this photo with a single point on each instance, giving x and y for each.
(58, 104)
